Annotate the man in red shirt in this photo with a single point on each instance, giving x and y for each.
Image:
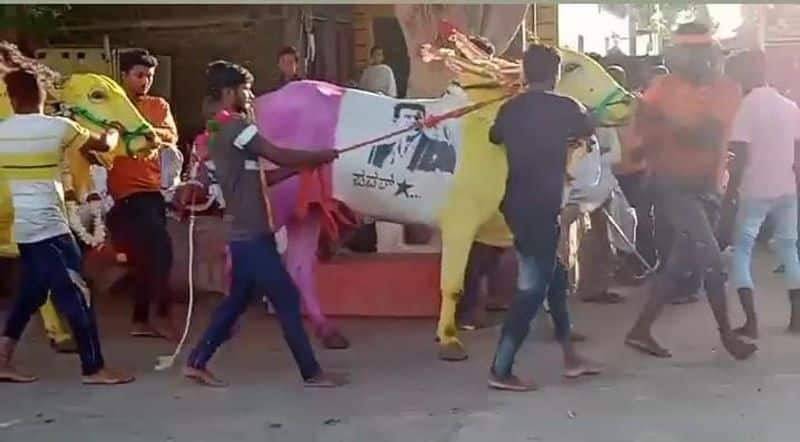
(685, 119)
(138, 221)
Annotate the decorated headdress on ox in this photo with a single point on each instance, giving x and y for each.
(476, 66)
(94, 101)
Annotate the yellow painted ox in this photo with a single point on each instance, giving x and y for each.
(94, 101)
(446, 175)
(471, 212)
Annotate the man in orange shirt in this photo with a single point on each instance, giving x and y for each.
(138, 221)
(685, 120)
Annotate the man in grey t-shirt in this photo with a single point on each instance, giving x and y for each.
(235, 149)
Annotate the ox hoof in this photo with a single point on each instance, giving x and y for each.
(452, 352)
(335, 341)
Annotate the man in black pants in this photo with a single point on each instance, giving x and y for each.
(138, 220)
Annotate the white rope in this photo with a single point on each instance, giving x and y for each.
(166, 362)
(649, 269)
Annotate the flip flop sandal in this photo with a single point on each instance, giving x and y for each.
(18, 379)
(503, 386)
(646, 349)
(117, 381)
(201, 380)
(326, 382)
(146, 334)
(583, 371)
(604, 298)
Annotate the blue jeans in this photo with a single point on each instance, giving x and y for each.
(752, 213)
(257, 265)
(54, 265)
(539, 277)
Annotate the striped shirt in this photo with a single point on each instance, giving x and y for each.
(31, 166)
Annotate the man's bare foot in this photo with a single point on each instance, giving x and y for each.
(144, 330)
(579, 366)
(326, 380)
(748, 331)
(736, 347)
(204, 377)
(107, 376)
(9, 373)
(510, 383)
(645, 343)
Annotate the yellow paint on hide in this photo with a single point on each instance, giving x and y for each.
(56, 328)
(102, 98)
(471, 212)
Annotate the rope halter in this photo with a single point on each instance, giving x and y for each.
(127, 136)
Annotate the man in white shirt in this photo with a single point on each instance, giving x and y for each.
(32, 149)
(765, 136)
(378, 77)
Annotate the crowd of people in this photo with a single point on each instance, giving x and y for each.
(672, 168)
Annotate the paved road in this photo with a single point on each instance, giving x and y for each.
(402, 393)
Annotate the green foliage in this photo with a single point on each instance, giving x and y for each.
(32, 18)
(663, 17)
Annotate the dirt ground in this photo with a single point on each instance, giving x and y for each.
(401, 392)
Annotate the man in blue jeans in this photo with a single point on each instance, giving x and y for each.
(535, 128)
(235, 148)
(765, 136)
(32, 147)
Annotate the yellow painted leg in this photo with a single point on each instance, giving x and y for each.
(56, 328)
(457, 240)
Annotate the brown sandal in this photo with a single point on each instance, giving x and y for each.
(203, 377)
(107, 377)
(12, 376)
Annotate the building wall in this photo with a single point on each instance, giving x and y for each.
(193, 35)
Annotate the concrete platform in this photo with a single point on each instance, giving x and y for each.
(399, 285)
(401, 392)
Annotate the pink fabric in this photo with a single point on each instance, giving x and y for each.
(284, 119)
(770, 124)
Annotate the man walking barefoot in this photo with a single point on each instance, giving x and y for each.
(684, 118)
(765, 137)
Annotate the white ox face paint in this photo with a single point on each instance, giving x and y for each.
(406, 178)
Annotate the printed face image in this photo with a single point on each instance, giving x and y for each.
(407, 117)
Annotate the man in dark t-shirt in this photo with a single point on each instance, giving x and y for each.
(235, 149)
(535, 128)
